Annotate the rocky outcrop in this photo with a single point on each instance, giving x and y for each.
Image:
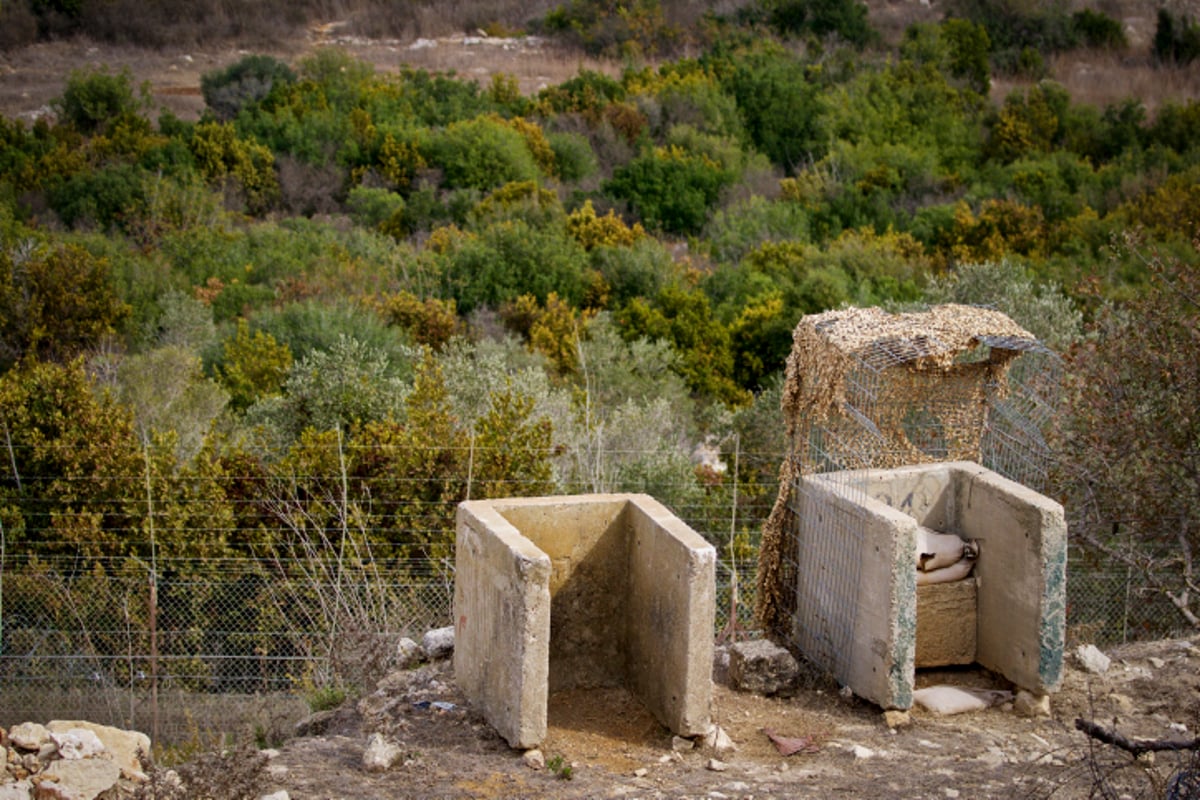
(71, 760)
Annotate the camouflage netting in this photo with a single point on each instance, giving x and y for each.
(867, 389)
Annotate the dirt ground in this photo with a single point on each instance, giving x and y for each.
(615, 749)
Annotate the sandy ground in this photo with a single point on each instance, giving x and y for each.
(615, 749)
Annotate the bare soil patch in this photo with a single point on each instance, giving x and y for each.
(615, 749)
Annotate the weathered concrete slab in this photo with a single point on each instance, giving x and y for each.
(594, 590)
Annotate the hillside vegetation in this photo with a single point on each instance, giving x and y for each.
(344, 300)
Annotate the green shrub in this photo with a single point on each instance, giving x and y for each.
(574, 159)
(243, 83)
(1098, 29)
(781, 109)
(374, 208)
(98, 199)
(93, 99)
(482, 153)
(844, 18)
(671, 189)
(613, 27)
(511, 258)
(1176, 39)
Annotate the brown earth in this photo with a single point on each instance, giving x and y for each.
(615, 749)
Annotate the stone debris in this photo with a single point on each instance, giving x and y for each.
(763, 667)
(717, 739)
(408, 653)
(861, 752)
(534, 759)
(716, 766)
(1091, 659)
(1028, 704)
(381, 754)
(681, 744)
(438, 643)
(897, 719)
(280, 795)
(70, 760)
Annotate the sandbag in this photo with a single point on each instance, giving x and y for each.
(937, 550)
(954, 572)
(957, 700)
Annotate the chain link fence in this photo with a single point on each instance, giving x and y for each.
(198, 650)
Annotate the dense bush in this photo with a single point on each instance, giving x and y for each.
(1176, 39)
(243, 83)
(93, 100)
(671, 189)
(844, 18)
(482, 153)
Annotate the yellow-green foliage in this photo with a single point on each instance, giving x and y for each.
(255, 366)
(431, 321)
(535, 140)
(399, 162)
(1001, 227)
(518, 196)
(1171, 209)
(593, 231)
(221, 155)
(553, 329)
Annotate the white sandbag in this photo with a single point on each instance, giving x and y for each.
(938, 550)
(954, 572)
(957, 700)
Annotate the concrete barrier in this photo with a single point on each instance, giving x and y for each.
(556, 593)
(863, 524)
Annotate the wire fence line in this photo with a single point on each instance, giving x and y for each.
(150, 628)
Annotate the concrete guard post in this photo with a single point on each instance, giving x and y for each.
(1020, 576)
(582, 591)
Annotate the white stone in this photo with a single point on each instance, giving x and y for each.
(1157, 663)
(640, 772)
(16, 791)
(951, 793)
(717, 766)
(85, 779)
(77, 743)
(862, 753)
(408, 653)
(1091, 659)
(124, 746)
(381, 753)
(717, 739)
(681, 745)
(534, 759)
(280, 795)
(438, 643)
(28, 736)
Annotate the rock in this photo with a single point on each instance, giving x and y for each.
(408, 653)
(317, 723)
(381, 753)
(1157, 663)
(1028, 704)
(85, 779)
(125, 747)
(681, 744)
(862, 753)
(640, 772)
(376, 704)
(280, 795)
(28, 736)
(762, 667)
(77, 743)
(1091, 659)
(721, 664)
(897, 719)
(438, 643)
(717, 739)
(16, 791)
(716, 766)
(534, 759)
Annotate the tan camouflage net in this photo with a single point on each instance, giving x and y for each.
(867, 389)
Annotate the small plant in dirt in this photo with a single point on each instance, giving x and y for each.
(560, 767)
(323, 698)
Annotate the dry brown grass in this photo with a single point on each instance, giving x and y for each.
(1101, 78)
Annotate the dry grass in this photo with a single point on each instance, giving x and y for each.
(1101, 78)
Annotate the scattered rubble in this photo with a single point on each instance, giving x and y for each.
(71, 760)
(763, 667)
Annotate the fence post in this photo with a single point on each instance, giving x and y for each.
(153, 611)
